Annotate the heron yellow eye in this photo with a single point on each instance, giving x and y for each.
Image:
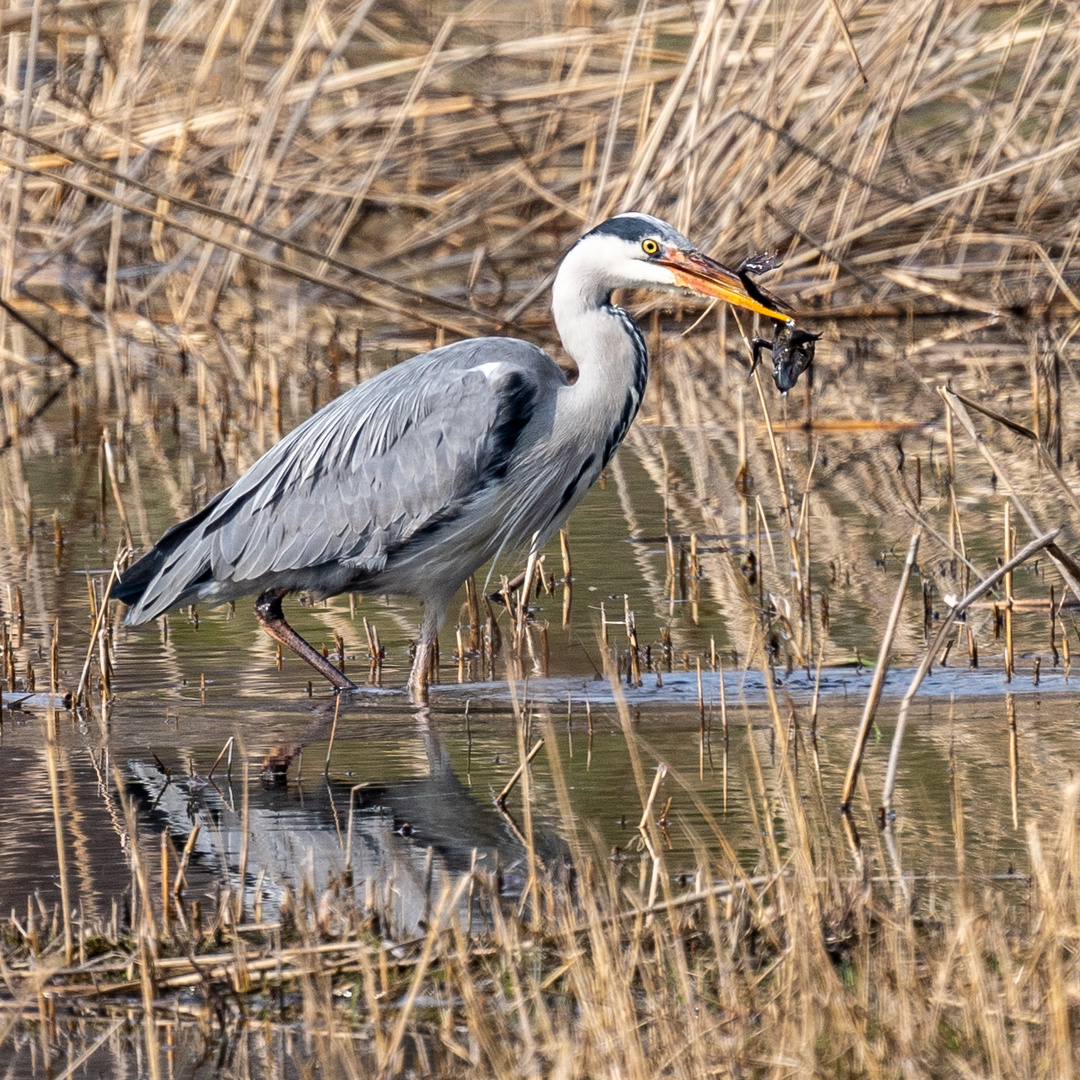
(650, 246)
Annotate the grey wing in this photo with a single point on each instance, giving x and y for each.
(387, 461)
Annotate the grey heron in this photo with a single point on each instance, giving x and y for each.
(409, 482)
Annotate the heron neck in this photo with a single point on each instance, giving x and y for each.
(613, 365)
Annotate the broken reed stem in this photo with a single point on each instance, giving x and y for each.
(99, 621)
(880, 669)
(523, 598)
(564, 548)
(643, 824)
(1036, 545)
(226, 749)
(500, 799)
(633, 671)
(185, 858)
(568, 575)
(245, 839)
(474, 613)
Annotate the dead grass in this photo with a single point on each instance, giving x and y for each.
(223, 214)
(797, 967)
(168, 173)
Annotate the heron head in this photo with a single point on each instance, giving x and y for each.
(635, 250)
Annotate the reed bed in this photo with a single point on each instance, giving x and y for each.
(803, 963)
(219, 216)
(415, 173)
(222, 217)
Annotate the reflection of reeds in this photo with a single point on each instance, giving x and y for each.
(609, 968)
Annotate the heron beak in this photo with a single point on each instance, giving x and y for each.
(707, 277)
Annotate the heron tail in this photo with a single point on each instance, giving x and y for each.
(170, 574)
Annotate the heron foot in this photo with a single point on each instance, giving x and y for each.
(272, 620)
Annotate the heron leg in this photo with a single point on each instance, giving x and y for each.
(423, 664)
(268, 612)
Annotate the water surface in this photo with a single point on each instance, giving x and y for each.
(696, 480)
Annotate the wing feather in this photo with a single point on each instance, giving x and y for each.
(391, 458)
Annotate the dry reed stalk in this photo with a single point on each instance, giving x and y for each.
(110, 465)
(1007, 587)
(98, 615)
(166, 906)
(633, 660)
(530, 894)
(500, 799)
(646, 812)
(333, 733)
(51, 751)
(1027, 433)
(226, 749)
(1038, 544)
(54, 658)
(521, 616)
(1014, 760)
(1053, 612)
(1068, 569)
(181, 870)
(873, 695)
(474, 614)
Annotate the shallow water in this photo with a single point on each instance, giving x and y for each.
(439, 773)
(182, 690)
(419, 786)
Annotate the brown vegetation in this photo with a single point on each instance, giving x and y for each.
(217, 216)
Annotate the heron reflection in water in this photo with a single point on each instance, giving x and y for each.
(409, 482)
